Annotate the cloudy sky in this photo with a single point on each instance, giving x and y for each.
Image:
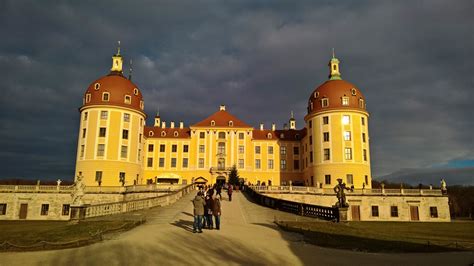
(413, 60)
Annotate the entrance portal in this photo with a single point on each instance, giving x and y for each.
(220, 180)
(23, 210)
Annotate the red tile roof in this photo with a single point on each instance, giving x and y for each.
(157, 132)
(263, 134)
(222, 119)
(291, 134)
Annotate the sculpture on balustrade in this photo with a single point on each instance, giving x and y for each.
(341, 194)
(444, 190)
(78, 191)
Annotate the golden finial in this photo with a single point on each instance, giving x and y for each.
(333, 53)
(118, 48)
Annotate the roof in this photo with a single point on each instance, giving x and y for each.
(222, 118)
(117, 86)
(173, 133)
(264, 134)
(334, 90)
(283, 135)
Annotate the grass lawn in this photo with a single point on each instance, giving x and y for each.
(27, 233)
(387, 236)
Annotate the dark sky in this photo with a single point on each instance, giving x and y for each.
(413, 60)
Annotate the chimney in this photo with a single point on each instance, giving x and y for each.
(222, 107)
(172, 124)
(163, 124)
(181, 124)
(273, 127)
(261, 126)
(285, 126)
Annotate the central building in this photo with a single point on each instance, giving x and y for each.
(117, 148)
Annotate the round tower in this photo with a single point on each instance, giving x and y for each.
(110, 142)
(338, 134)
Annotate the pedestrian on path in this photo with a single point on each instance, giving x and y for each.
(208, 211)
(218, 190)
(216, 211)
(199, 204)
(229, 192)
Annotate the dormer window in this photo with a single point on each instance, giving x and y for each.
(316, 94)
(150, 133)
(361, 103)
(163, 134)
(97, 86)
(231, 123)
(297, 136)
(142, 105)
(176, 133)
(88, 97)
(135, 91)
(213, 123)
(128, 99)
(282, 136)
(269, 135)
(354, 91)
(325, 102)
(105, 96)
(345, 101)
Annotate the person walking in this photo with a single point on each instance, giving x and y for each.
(216, 211)
(229, 192)
(199, 204)
(218, 191)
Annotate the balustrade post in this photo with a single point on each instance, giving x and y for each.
(16, 188)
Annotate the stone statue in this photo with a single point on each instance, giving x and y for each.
(78, 192)
(59, 182)
(340, 194)
(444, 190)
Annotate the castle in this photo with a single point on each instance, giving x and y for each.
(117, 148)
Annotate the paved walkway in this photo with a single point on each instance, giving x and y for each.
(247, 236)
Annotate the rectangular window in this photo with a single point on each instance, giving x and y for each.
(365, 154)
(375, 211)
(85, 116)
(393, 211)
(221, 135)
(173, 162)
(241, 163)
(257, 163)
(363, 137)
(325, 102)
(283, 150)
(283, 164)
(296, 164)
(347, 135)
(186, 148)
(162, 147)
(3, 209)
(327, 155)
(270, 149)
(257, 149)
(161, 162)
(185, 162)
(270, 163)
(346, 119)
(310, 140)
(125, 134)
(221, 148)
(44, 209)
(150, 147)
(82, 151)
(123, 151)
(296, 150)
(361, 103)
(202, 135)
(350, 179)
(122, 177)
(66, 208)
(98, 176)
(174, 148)
(83, 133)
(149, 162)
(433, 212)
(128, 99)
(325, 120)
(310, 156)
(201, 148)
(201, 162)
(126, 117)
(362, 120)
(241, 135)
(100, 149)
(366, 180)
(310, 123)
(241, 149)
(345, 101)
(348, 153)
(102, 132)
(327, 179)
(326, 136)
(103, 114)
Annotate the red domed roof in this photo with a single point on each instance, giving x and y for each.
(121, 92)
(340, 94)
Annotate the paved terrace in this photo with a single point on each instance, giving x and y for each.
(247, 237)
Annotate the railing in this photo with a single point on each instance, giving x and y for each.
(133, 205)
(358, 191)
(303, 209)
(36, 189)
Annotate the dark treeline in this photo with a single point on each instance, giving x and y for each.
(461, 198)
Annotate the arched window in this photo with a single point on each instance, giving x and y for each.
(231, 123)
(221, 135)
(150, 133)
(325, 102)
(128, 99)
(163, 134)
(96, 86)
(105, 96)
(269, 135)
(213, 123)
(88, 97)
(175, 133)
(135, 91)
(354, 91)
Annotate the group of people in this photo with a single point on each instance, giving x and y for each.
(207, 205)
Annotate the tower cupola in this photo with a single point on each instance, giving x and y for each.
(334, 73)
(117, 61)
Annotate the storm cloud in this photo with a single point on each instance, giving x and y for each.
(262, 59)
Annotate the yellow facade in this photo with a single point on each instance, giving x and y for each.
(205, 152)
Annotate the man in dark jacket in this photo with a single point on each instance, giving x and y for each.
(208, 211)
(229, 192)
(216, 211)
(199, 204)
